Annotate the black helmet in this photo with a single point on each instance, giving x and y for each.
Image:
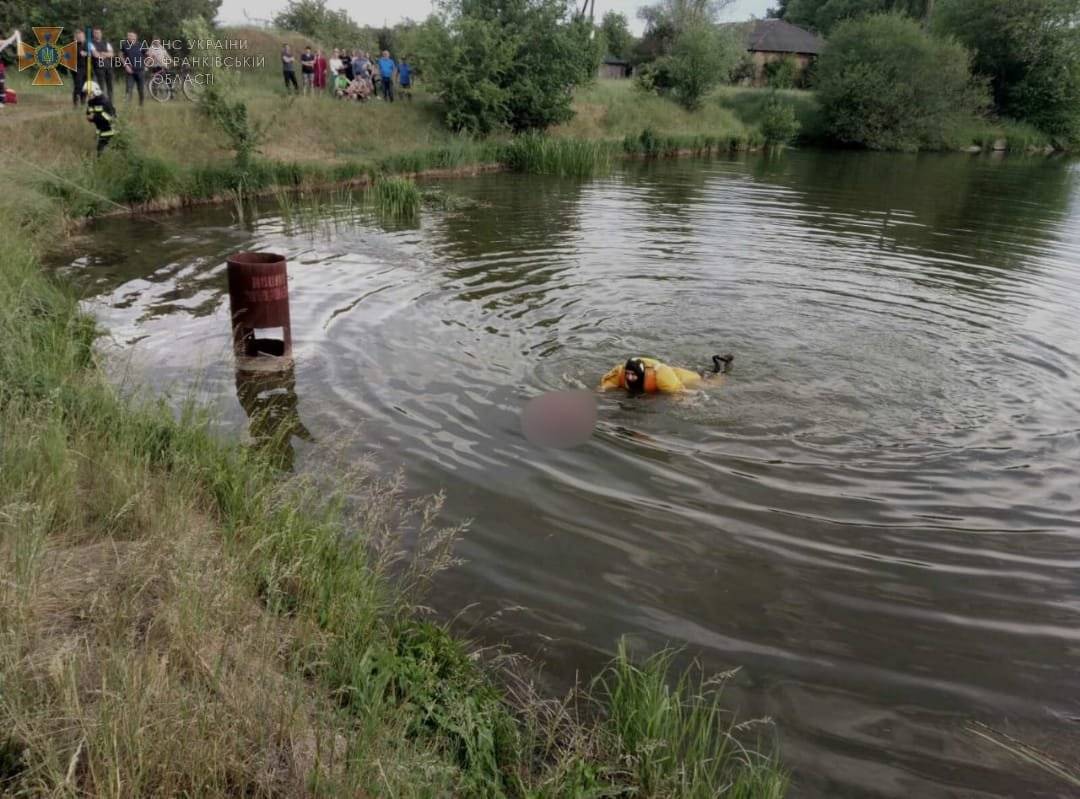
(634, 366)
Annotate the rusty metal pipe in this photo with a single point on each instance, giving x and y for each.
(259, 299)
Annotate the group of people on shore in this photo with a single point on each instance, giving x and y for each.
(347, 75)
(135, 59)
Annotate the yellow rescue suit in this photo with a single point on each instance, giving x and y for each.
(659, 377)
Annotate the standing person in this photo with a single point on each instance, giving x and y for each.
(335, 67)
(346, 65)
(157, 58)
(103, 55)
(288, 69)
(3, 85)
(386, 72)
(320, 66)
(133, 57)
(307, 69)
(78, 87)
(358, 65)
(101, 114)
(404, 72)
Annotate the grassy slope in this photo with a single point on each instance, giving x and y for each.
(174, 618)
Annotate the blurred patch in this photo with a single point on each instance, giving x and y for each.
(560, 419)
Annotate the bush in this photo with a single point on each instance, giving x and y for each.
(886, 84)
(782, 73)
(779, 125)
(1029, 51)
(510, 65)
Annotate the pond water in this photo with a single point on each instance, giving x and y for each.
(877, 514)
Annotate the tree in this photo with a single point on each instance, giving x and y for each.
(824, 15)
(508, 63)
(1030, 51)
(702, 57)
(617, 36)
(145, 17)
(687, 51)
(780, 11)
(312, 18)
(885, 83)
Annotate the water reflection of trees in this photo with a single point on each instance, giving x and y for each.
(974, 215)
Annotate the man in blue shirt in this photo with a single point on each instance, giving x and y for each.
(386, 72)
(404, 72)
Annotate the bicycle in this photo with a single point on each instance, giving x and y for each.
(165, 85)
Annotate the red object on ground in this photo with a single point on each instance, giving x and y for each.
(10, 98)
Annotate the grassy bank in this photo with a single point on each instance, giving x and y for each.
(179, 617)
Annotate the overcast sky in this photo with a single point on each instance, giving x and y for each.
(368, 13)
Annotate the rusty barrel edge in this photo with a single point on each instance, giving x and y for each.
(258, 298)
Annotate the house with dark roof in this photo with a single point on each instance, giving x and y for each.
(612, 67)
(771, 40)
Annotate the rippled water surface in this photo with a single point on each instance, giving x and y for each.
(878, 513)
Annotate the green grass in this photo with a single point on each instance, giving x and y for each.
(677, 737)
(397, 197)
(536, 154)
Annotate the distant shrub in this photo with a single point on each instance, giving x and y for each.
(887, 84)
(782, 73)
(779, 124)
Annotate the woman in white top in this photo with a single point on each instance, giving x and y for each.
(336, 65)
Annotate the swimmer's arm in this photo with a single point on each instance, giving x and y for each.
(612, 380)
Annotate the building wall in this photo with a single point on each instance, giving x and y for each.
(760, 58)
(612, 71)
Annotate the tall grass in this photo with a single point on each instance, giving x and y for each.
(396, 197)
(536, 154)
(676, 737)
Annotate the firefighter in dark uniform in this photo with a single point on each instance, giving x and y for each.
(100, 112)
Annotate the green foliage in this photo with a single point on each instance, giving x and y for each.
(145, 17)
(885, 83)
(703, 57)
(824, 15)
(230, 114)
(509, 63)
(12, 762)
(537, 154)
(135, 178)
(687, 53)
(618, 39)
(782, 73)
(779, 123)
(312, 18)
(751, 105)
(1030, 51)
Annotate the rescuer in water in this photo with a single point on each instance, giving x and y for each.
(650, 376)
